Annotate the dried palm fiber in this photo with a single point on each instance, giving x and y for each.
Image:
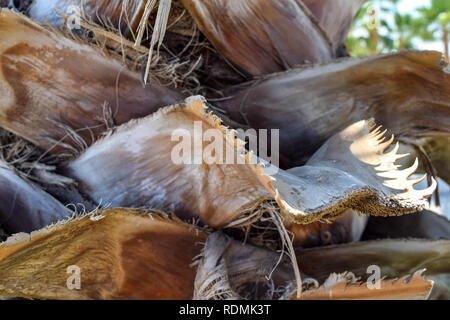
(159, 29)
(310, 104)
(395, 257)
(124, 15)
(335, 17)
(61, 94)
(222, 273)
(30, 163)
(209, 69)
(209, 72)
(344, 287)
(129, 17)
(262, 36)
(24, 207)
(143, 255)
(179, 64)
(423, 225)
(349, 172)
(20, 153)
(204, 68)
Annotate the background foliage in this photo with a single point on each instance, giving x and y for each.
(382, 27)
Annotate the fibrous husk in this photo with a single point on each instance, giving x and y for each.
(395, 257)
(173, 38)
(349, 172)
(124, 15)
(228, 269)
(262, 36)
(31, 164)
(22, 154)
(368, 172)
(61, 94)
(24, 207)
(311, 104)
(120, 253)
(340, 287)
(335, 17)
(422, 225)
(215, 193)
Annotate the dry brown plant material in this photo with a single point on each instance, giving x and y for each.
(121, 253)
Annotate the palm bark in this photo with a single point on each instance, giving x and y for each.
(122, 15)
(311, 104)
(222, 273)
(67, 92)
(24, 207)
(338, 177)
(143, 255)
(395, 257)
(335, 17)
(61, 94)
(262, 36)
